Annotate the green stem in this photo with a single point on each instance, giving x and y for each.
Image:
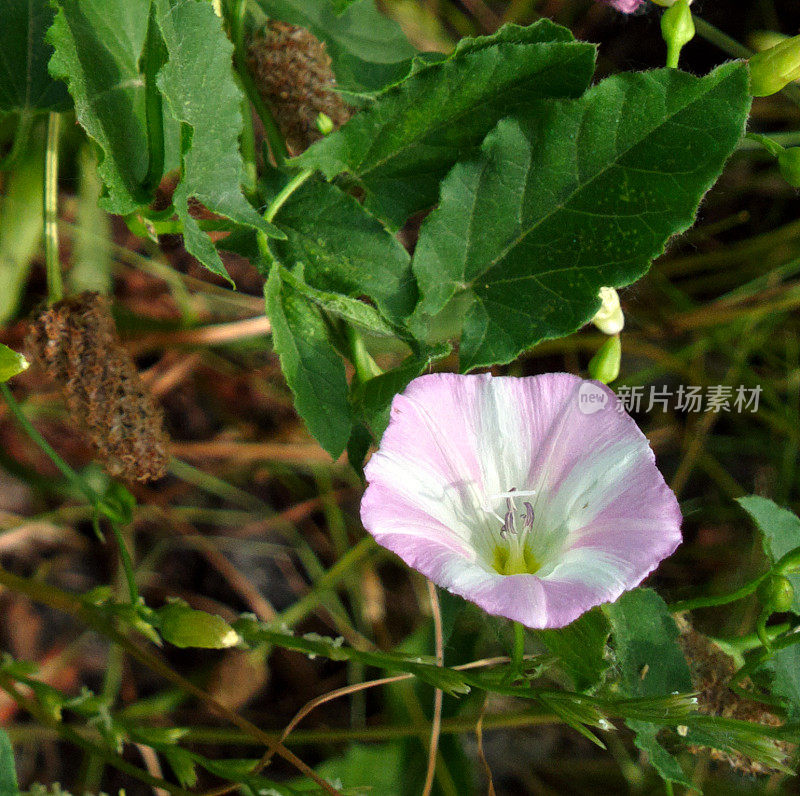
(673, 57)
(277, 145)
(326, 582)
(720, 599)
(227, 736)
(719, 39)
(365, 366)
(78, 482)
(62, 466)
(276, 204)
(773, 147)
(55, 284)
(66, 732)
(153, 59)
(69, 604)
(127, 563)
(112, 680)
(738, 646)
(518, 650)
(761, 630)
(280, 199)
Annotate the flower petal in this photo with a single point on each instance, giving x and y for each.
(604, 516)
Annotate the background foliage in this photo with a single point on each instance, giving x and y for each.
(554, 169)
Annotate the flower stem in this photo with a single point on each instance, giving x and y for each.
(280, 199)
(276, 204)
(55, 285)
(127, 563)
(518, 650)
(719, 599)
(365, 366)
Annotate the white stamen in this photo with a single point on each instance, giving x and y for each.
(512, 493)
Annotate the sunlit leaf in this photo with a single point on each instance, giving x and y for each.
(401, 147)
(574, 196)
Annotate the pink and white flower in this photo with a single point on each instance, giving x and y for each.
(536, 498)
(625, 6)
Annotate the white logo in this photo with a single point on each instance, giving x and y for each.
(591, 398)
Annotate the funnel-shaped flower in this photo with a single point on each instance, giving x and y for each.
(536, 498)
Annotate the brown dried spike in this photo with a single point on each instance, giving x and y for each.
(712, 670)
(75, 342)
(293, 74)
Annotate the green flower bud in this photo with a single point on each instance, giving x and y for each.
(604, 365)
(773, 69)
(677, 28)
(776, 593)
(764, 39)
(609, 318)
(11, 363)
(324, 123)
(789, 164)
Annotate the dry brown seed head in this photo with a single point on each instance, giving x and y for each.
(293, 74)
(75, 342)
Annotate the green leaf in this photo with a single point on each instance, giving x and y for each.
(577, 195)
(25, 84)
(344, 250)
(401, 147)
(785, 665)
(368, 50)
(20, 224)
(349, 309)
(780, 533)
(313, 369)
(11, 363)
(650, 659)
(183, 626)
(749, 738)
(8, 777)
(199, 86)
(183, 764)
(581, 648)
(378, 768)
(651, 664)
(97, 48)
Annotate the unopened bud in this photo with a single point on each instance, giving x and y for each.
(776, 594)
(324, 123)
(677, 28)
(764, 39)
(773, 69)
(604, 365)
(789, 164)
(609, 318)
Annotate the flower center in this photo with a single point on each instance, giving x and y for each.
(514, 555)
